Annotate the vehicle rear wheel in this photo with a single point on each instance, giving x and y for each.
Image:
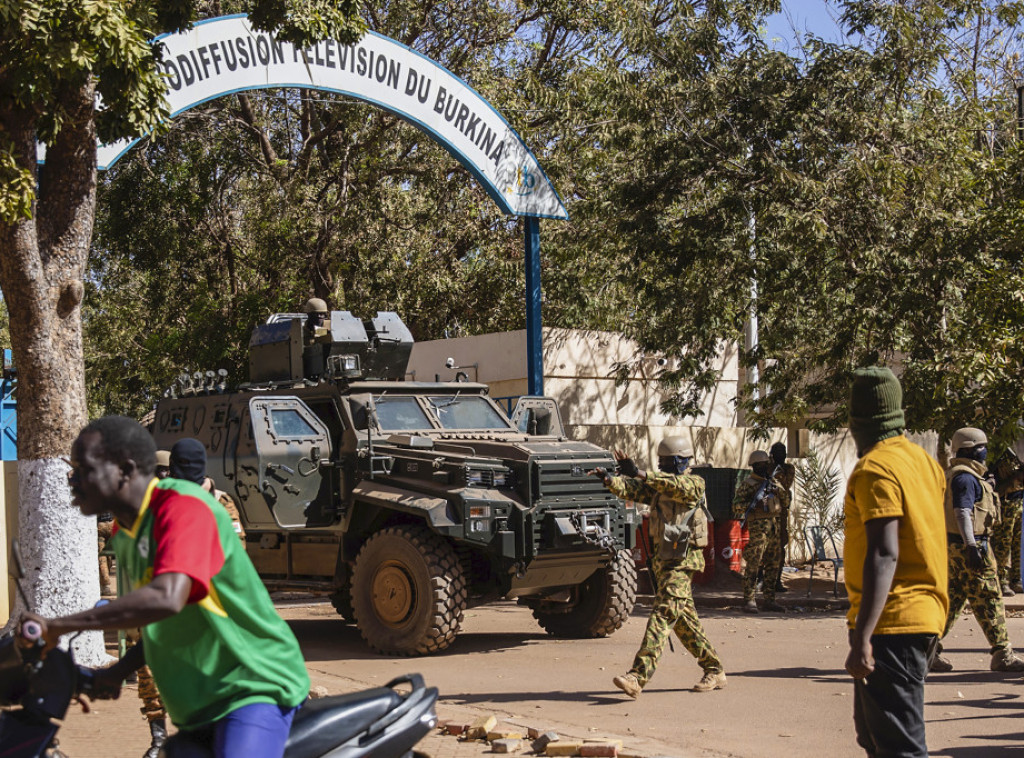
(601, 604)
(408, 592)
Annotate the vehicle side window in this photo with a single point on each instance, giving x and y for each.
(288, 423)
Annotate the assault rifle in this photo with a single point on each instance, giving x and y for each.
(766, 489)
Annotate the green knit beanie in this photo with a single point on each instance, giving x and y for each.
(876, 406)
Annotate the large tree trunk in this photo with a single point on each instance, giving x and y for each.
(42, 262)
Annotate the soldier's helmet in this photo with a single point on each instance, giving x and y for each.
(968, 437)
(675, 446)
(315, 305)
(758, 456)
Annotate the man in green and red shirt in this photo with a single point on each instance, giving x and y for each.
(227, 666)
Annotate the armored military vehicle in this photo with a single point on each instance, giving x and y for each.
(407, 501)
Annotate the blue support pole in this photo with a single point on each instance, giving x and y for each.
(8, 412)
(534, 334)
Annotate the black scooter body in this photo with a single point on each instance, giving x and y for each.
(378, 723)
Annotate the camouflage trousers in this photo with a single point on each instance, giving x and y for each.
(674, 611)
(152, 706)
(980, 587)
(1006, 542)
(762, 551)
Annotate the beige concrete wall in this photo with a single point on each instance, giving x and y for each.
(578, 372)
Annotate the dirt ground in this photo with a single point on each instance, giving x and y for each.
(787, 693)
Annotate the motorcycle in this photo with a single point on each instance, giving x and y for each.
(382, 722)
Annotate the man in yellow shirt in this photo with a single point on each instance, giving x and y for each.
(896, 569)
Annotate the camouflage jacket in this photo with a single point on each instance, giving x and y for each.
(774, 504)
(669, 497)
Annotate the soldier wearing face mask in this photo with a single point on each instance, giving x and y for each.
(760, 501)
(972, 510)
(679, 529)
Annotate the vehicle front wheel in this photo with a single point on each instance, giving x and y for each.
(600, 605)
(341, 599)
(408, 592)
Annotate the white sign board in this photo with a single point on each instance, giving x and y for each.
(225, 55)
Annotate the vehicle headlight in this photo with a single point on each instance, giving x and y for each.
(501, 478)
(476, 477)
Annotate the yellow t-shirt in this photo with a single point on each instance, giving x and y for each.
(896, 478)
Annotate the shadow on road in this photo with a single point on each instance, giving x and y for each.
(989, 751)
(330, 639)
(608, 697)
(794, 672)
(1006, 704)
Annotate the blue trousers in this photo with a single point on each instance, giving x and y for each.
(259, 730)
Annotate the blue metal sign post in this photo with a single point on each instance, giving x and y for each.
(534, 331)
(8, 411)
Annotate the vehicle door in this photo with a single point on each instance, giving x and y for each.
(290, 443)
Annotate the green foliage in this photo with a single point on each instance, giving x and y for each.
(16, 188)
(818, 485)
(872, 188)
(49, 51)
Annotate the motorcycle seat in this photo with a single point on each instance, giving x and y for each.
(321, 725)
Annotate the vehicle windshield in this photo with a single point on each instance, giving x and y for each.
(399, 414)
(467, 413)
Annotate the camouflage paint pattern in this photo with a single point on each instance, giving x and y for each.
(674, 611)
(762, 551)
(981, 589)
(1006, 541)
(152, 706)
(745, 494)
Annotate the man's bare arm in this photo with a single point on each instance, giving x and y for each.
(879, 569)
(162, 598)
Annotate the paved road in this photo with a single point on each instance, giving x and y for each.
(787, 694)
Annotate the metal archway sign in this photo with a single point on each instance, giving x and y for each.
(221, 56)
(225, 55)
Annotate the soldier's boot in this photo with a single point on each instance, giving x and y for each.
(158, 733)
(1017, 587)
(940, 664)
(712, 680)
(629, 684)
(750, 606)
(774, 607)
(780, 587)
(1007, 590)
(1004, 659)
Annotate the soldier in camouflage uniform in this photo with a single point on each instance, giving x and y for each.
(678, 520)
(972, 509)
(786, 476)
(762, 519)
(152, 706)
(1009, 485)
